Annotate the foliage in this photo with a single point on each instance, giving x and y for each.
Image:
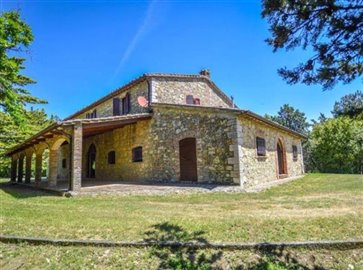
(11, 133)
(321, 118)
(337, 145)
(333, 29)
(15, 38)
(292, 118)
(349, 105)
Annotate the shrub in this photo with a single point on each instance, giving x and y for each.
(337, 145)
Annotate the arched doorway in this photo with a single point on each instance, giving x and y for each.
(281, 159)
(188, 159)
(91, 161)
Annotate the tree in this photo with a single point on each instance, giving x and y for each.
(349, 105)
(336, 145)
(321, 119)
(333, 29)
(11, 133)
(292, 118)
(15, 38)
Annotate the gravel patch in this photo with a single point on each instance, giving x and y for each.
(155, 189)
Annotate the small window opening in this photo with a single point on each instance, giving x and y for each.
(111, 157)
(137, 154)
(261, 147)
(116, 106)
(294, 152)
(126, 104)
(190, 99)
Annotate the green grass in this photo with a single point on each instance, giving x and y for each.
(50, 257)
(318, 206)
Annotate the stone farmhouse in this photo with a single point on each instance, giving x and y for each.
(162, 127)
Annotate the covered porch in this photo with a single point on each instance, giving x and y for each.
(109, 187)
(52, 158)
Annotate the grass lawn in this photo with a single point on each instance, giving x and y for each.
(319, 206)
(316, 207)
(50, 257)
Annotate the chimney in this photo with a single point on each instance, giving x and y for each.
(205, 72)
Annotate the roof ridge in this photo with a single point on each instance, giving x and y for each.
(173, 75)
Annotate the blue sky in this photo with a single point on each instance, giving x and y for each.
(85, 49)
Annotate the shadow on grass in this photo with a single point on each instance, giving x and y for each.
(179, 257)
(192, 258)
(22, 192)
(279, 259)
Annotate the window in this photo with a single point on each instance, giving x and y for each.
(64, 163)
(294, 152)
(261, 147)
(190, 99)
(137, 154)
(126, 104)
(111, 157)
(93, 114)
(116, 106)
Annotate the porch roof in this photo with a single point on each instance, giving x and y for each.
(100, 125)
(89, 126)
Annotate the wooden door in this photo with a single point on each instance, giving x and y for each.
(281, 159)
(188, 159)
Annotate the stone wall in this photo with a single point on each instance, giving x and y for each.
(105, 109)
(225, 148)
(175, 91)
(160, 138)
(164, 90)
(215, 136)
(257, 170)
(122, 141)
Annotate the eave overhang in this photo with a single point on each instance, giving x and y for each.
(90, 127)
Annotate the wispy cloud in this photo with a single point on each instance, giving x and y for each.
(144, 27)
